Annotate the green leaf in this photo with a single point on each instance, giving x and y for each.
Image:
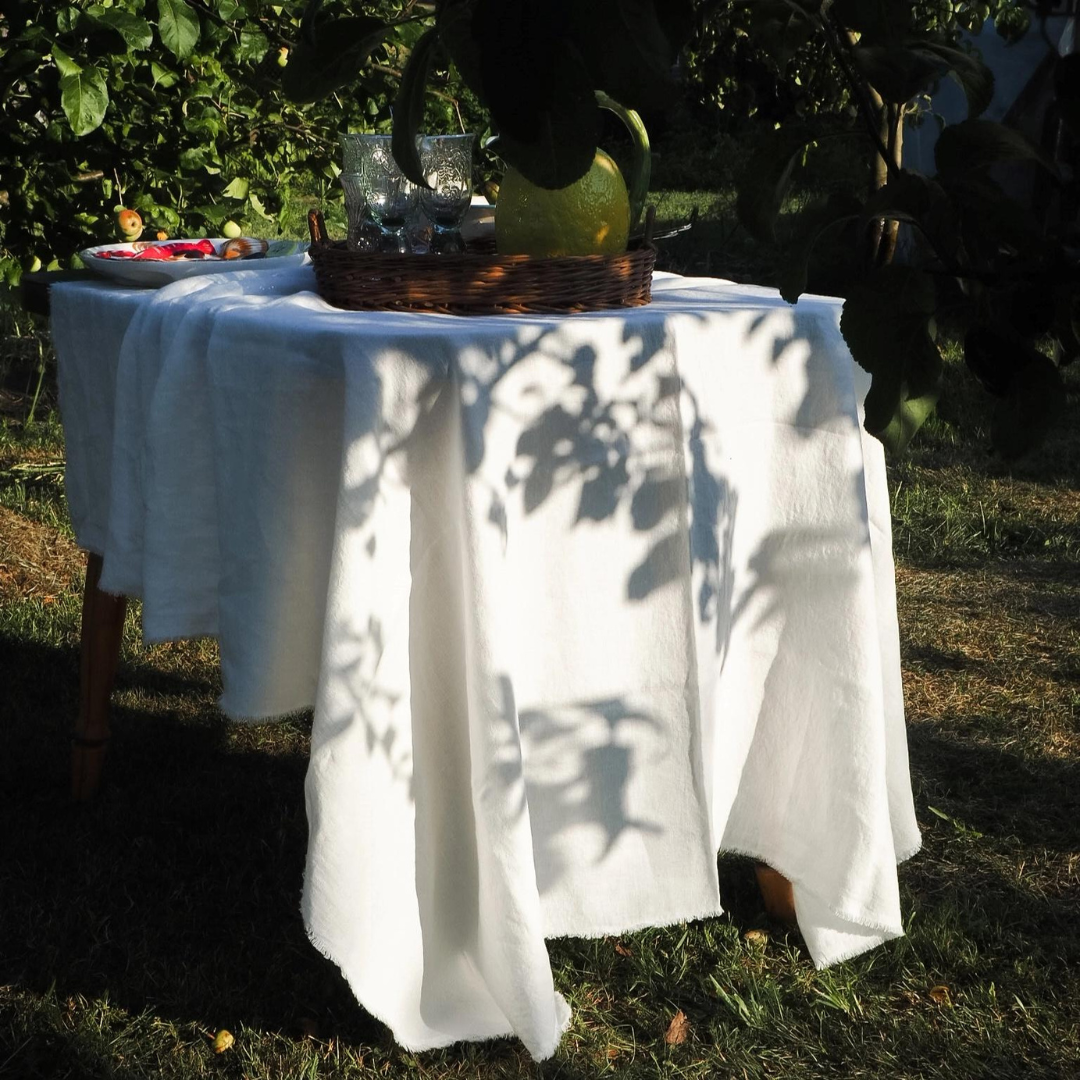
(897, 73)
(20, 62)
(1011, 24)
(454, 21)
(257, 206)
(178, 26)
(1034, 403)
(67, 19)
(626, 51)
(992, 224)
(167, 216)
(192, 159)
(885, 323)
(641, 159)
(765, 183)
(64, 63)
(206, 124)
(923, 202)
(409, 107)
(215, 215)
(974, 77)
(253, 45)
(564, 147)
(135, 32)
(84, 98)
(539, 91)
(237, 188)
(795, 268)
(330, 56)
(976, 145)
(162, 76)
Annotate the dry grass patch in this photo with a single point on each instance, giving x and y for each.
(991, 666)
(995, 649)
(36, 561)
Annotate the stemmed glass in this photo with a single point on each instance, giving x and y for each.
(389, 197)
(447, 164)
(364, 233)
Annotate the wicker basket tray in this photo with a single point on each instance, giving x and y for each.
(480, 282)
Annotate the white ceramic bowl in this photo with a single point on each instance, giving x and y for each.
(155, 272)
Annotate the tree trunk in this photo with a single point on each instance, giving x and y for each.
(881, 241)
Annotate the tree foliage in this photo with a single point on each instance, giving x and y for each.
(535, 66)
(198, 111)
(980, 258)
(194, 111)
(179, 109)
(746, 62)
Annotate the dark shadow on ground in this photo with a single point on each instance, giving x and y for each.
(178, 888)
(999, 793)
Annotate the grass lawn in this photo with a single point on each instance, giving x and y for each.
(134, 928)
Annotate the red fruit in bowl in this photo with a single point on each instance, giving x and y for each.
(130, 224)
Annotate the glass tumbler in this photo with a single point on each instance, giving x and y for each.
(391, 197)
(447, 164)
(352, 151)
(364, 233)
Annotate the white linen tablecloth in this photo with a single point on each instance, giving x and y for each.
(578, 602)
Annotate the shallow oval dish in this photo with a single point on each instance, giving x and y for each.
(153, 273)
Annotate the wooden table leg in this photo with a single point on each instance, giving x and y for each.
(778, 895)
(102, 631)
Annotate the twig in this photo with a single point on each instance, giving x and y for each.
(395, 73)
(270, 30)
(40, 381)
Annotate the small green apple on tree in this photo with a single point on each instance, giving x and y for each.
(130, 224)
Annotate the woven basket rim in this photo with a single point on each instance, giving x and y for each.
(479, 282)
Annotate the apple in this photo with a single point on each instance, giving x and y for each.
(230, 230)
(130, 224)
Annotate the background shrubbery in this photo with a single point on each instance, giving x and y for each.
(175, 108)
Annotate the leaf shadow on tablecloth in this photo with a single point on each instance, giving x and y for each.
(612, 444)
